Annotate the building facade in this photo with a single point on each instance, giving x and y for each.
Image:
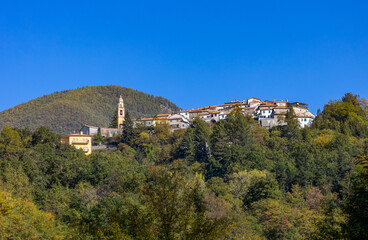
(79, 141)
(267, 113)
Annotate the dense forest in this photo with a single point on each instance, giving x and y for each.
(229, 180)
(70, 110)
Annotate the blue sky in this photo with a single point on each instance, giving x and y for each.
(194, 53)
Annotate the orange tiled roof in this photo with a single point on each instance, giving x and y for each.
(254, 98)
(75, 135)
(90, 126)
(198, 110)
(163, 115)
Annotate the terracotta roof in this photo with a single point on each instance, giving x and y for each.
(111, 128)
(163, 115)
(89, 126)
(300, 103)
(254, 98)
(220, 105)
(142, 119)
(268, 104)
(75, 135)
(196, 110)
(234, 103)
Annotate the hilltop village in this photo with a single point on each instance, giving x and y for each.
(268, 114)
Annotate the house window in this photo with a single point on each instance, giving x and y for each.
(121, 112)
(263, 111)
(305, 119)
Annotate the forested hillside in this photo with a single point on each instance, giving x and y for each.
(69, 110)
(228, 180)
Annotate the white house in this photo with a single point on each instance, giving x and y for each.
(177, 121)
(305, 121)
(144, 121)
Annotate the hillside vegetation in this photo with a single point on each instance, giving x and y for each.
(69, 110)
(229, 180)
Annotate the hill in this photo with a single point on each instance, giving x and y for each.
(69, 110)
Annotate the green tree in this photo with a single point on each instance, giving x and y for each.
(180, 209)
(43, 135)
(219, 162)
(128, 130)
(17, 183)
(292, 129)
(10, 142)
(186, 148)
(21, 219)
(348, 115)
(356, 203)
(201, 140)
(98, 139)
(238, 128)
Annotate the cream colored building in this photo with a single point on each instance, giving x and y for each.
(79, 141)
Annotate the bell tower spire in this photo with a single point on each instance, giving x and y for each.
(121, 112)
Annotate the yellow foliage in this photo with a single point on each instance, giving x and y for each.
(324, 139)
(20, 219)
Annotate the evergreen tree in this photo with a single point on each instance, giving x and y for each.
(44, 135)
(201, 140)
(98, 139)
(292, 131)
(186, 148)
(218, 163)
(356, 204)
(128, 130)
(238, 128)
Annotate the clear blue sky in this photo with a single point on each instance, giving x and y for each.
(194, 53)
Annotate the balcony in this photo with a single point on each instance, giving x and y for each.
(80, 141)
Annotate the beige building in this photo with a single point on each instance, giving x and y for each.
(79, 141)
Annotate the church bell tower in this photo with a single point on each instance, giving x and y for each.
(121, 112)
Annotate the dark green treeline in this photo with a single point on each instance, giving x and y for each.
(228, 180)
